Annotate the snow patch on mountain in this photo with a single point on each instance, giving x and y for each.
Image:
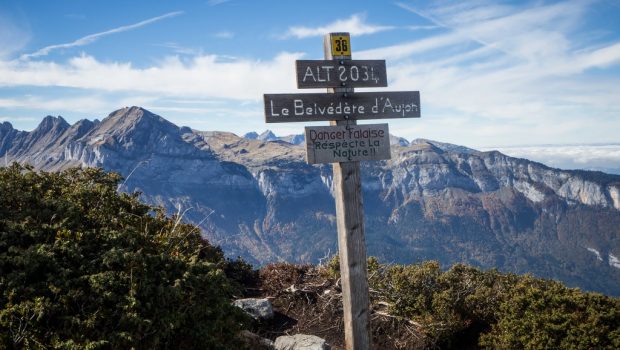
(595, 252)
(614, 261)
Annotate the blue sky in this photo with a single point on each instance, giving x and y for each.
(490, 73)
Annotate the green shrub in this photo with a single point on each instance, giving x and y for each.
(82, 266)
(465, 307)
(541, 314)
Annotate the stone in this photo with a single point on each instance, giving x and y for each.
(301, 342)
(259, 309)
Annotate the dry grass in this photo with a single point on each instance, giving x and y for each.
(308, 300)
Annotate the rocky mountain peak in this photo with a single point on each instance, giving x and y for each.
(443, 146)
(44, 135)
(6, 126)
(130, 117)
(7, 136)
(77, 130)
(425, 145)
(50, 123)
(267, 135)
(252, 135)
(398, 141)
(130, 124)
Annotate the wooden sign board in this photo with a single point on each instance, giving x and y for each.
(340, 73)
(347, 143)
(285, 108)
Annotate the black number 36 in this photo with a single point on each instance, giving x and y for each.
(342, 44)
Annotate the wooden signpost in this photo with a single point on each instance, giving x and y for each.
(345, 144)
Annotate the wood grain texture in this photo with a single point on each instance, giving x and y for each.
(351, 241)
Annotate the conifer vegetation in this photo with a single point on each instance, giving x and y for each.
(83, 266)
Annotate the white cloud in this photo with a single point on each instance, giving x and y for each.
(355, 25)
(422, 27)
(217, 2)
(524, 32)
(224, 35)
(12, 37)
(179, 49)
(512, 72)
(590, 157)
(49, 105)
(404, 50)
(11, 119)
(94, 37)
(204, 76)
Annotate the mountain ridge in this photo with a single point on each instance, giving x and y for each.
(432, 200)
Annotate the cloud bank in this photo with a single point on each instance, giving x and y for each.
(604, 158)
(356, 25)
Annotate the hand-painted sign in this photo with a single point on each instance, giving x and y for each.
(284, 108)
(346, 143)
(340, 73)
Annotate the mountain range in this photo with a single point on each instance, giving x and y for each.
(256, 197)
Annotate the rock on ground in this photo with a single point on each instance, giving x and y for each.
(259, 309)
(301, 342)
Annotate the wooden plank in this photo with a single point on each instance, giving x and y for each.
(346, 143)
(340, 73)
(285, 108)
(350, 224)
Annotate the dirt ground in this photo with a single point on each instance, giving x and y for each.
(306, 299)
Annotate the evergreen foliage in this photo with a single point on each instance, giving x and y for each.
(465, 307)
(82, 266)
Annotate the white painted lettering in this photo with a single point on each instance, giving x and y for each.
(327, 71)
(342, 70)
(388, 104)
(273, 113)
(355, 73)
(299, 107)
(309, 73)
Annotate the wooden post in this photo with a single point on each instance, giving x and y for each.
(340, 75)
(350, 222)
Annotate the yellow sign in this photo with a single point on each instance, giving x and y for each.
(341, 44)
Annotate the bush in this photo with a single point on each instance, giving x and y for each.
(465, 307)
(82, 266)
(546, 315)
